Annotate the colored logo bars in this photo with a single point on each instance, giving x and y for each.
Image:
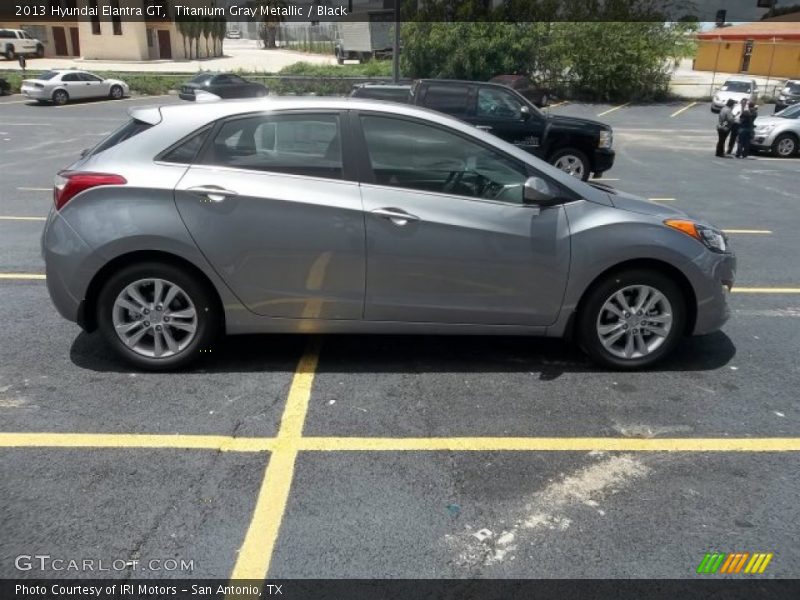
(733, 562)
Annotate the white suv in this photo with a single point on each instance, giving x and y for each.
(14, 42)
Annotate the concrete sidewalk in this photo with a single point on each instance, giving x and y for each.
(239, 55)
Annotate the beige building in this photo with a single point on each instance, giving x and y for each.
(112, 38)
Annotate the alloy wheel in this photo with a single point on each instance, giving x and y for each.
(154, 318)
(786, 147)
(570, 164)
(634, 321)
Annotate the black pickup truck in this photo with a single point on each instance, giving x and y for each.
(578, 146)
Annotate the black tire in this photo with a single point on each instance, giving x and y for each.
(9, 52)
(204, 299)
(39, 51)
(592, 305)
(784, 146)
(565, 154)
(60, 97)
(116, 92)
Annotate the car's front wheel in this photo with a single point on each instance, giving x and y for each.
(156, 316)
(785, 145)
(573, 162)
(632, 319)
(9, 52)
(116, 92)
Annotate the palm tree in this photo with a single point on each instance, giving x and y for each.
(206, 28)
(272, 21)
(219, 34)
(183, 29)
(193, 31)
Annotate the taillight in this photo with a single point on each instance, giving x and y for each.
(69, 184)
(39, 85)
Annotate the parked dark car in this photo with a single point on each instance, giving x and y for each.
(789, 94)
(538, 95)
(224, 85)
(382, 91)
(5, 88)
(579, 147)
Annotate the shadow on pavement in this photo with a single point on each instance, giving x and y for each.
(413, 353)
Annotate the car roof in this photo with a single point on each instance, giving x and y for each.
(740, 78)
(397, 86)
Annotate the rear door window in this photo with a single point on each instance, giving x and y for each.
(298, 144)
(449, 99)
(186, 151)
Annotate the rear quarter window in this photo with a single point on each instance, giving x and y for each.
(132, 128)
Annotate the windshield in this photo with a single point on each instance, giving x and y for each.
(791, 112)
(792, 87)
(201, 78)
(736, 86)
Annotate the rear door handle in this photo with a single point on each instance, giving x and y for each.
(395, 215)
(212, 192)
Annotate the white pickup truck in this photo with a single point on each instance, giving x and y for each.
(14, 42)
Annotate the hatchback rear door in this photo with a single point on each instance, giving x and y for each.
(273, 206)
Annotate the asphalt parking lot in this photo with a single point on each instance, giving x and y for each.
(414, 456)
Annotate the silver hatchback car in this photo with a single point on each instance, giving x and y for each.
(357, 216)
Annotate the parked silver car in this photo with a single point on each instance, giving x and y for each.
(62, 85)
(359, 216)
(779, 133)
(736, 89)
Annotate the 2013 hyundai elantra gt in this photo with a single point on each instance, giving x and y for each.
(356, 216)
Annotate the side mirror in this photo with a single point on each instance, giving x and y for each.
(525, 112)
(537, 191)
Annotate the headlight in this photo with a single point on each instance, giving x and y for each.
(717, 98)
(711, 238)
(765, 128)
(606, 139)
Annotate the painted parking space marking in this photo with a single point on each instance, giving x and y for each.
(684, 109)
(662, 199)
(35, 189)
(23, 276)
(765, 290)
(748, 231)
(220, 443)
(7, 218)
(610, 110)
(557, 104)
(259, 543)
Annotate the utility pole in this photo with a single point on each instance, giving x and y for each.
(396, 49)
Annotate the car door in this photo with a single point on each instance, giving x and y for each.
(94, 86)
(506, 115)
(449, 239)
(272, 204)
(75, 86)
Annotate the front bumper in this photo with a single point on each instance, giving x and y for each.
(712, 296)
(603, 160)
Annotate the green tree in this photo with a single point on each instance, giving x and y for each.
(271, 22)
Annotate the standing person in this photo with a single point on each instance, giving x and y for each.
(746, 124)
(737, 109)
(724, 124)
(23, 63)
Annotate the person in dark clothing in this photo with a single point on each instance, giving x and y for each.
(737, 109)
(726, 120)
(746, 125)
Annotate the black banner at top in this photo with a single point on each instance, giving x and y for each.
(331, 11)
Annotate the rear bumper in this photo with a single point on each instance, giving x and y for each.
(35, 93)
(603, 160)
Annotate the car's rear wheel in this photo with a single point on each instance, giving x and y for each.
(573, 162)
(9, 52)
(116, 92)
(60, 97)
(785, 145)
(632, 319)
(39, 51)
(156, 316)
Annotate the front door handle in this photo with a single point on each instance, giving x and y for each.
(395, 215)
(212, 192)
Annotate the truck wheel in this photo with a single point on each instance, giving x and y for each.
(39, 51)
(9, 53)
(572, 161)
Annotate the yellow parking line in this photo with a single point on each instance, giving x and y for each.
(502, 444)
(22, 276)
(562, 103)
(753, 231)
(133, 440)
(765, 290)
(684, 109)
(610, 110)
(255, 554)
(4, 218)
